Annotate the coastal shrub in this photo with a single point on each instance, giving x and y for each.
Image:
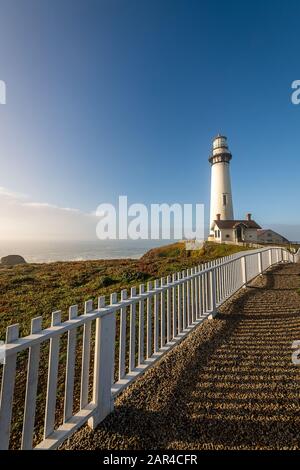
(169, 253)
(23, 279)
(106, 281)
(131, 276)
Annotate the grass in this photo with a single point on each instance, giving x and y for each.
(31, 290)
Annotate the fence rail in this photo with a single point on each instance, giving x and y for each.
(118, 342)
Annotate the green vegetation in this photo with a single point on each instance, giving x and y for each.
(30, 290)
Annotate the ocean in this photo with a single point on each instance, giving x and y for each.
(49, 251)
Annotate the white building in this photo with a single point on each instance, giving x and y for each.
(269, 236)
(223, 226)
(234, 231)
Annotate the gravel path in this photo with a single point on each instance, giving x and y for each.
(230, 385)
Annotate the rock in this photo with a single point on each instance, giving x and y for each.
(12, 260)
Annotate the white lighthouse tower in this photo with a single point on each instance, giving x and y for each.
(221, 196)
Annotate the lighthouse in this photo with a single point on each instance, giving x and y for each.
(223, 227)
(221, 196)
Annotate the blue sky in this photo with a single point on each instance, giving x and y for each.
(112, 97)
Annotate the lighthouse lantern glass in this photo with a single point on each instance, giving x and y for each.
(220, 142)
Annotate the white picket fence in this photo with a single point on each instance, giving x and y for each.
(148, 324)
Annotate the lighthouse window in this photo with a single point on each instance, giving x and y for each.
(224, 200)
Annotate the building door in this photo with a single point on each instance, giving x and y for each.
(238, 233)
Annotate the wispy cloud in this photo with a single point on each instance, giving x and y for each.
(11, 194)
(22, 218)
(16, 196)
(46, 205)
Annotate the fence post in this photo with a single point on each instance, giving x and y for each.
(260, 263)
(156, 317)
(174, 324)
(113, 300)
(103, 366)
(184, 315)
(270, 257)
(7, 390)
(141, 347)
(169, 336)
(162, 315)
(213, 303)
(179, 305)
(244, 271)
(132, 332)
(149, 321)
(32, 382)
(122, 338)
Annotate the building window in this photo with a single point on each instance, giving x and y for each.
(216, 233)
(227, 236)
(224, 199)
